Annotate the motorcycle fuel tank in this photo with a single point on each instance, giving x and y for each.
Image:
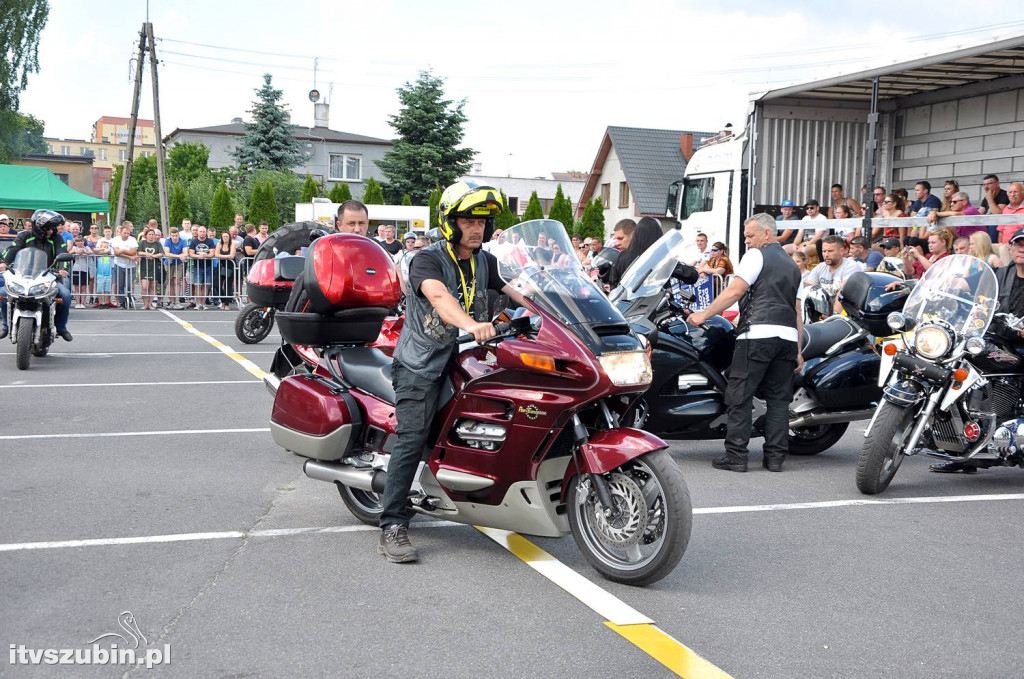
(999, 357)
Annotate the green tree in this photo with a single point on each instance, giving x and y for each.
(187, 161)
(430, 130)
(309, 190)
(222, 212)
(340, 193)
(506, 217)
(178, 208)
(373, 194)
(592, 224)
(432, 203)
(561, 210)
(115, 189)
(21, 25)
(262, 206)
(268, 140)
(533, 209)
(407, 200)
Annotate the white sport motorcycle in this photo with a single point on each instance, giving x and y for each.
(31, 286)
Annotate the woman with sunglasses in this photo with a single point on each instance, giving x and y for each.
(892, 208)
(718, 264)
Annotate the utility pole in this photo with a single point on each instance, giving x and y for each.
(161, 181)
(122, 196)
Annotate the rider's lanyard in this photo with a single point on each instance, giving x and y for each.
(467, 293)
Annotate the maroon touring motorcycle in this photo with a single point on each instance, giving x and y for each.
(528, 436)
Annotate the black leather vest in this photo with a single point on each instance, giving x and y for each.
(772, 299)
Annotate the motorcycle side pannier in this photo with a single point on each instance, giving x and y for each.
(316, 418)
(269, 281)
(866, 301)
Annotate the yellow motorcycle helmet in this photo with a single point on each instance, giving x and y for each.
(467, 199)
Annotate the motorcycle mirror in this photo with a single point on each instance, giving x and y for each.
(435, 235)
(63, 257)
(520, 325)
(686, 274)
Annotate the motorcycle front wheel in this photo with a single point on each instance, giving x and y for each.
(815, 439)
(254, 323)
(645, 542)
(883, 452)
(365, 505)
(26, 328)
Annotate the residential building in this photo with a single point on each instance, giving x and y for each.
(331, 156)
(633, 170)
(75, 171)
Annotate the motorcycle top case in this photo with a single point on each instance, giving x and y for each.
(270, 280)
(345, 271)
(866, 301)
(315, 417)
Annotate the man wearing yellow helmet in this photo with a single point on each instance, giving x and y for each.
(450, 280)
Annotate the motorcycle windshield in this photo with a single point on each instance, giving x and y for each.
(650, 271)
(30, 262)
(958, 290)
(538, 259)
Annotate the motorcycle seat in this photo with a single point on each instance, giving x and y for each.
(820, 336)
(369, 369)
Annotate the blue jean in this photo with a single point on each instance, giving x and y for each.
(60, 318)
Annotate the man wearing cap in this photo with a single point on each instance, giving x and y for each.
(890, 248)
(810, 235)
(5, 231)
(787, 233)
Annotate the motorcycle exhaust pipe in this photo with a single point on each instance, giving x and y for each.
(361, 479)
(835, 417)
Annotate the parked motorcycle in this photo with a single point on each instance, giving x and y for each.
(32, 303)
(686, 399)
(948, 381)
(529, 435)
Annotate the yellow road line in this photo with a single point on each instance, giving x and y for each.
(223, 348)
(632, 625)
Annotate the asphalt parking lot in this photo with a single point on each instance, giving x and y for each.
(139, 476)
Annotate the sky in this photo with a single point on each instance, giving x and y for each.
(541, 80)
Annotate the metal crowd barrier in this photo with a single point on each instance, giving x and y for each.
(98, 281)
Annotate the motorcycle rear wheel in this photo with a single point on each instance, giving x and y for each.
(26, 328)
(815, 439)
(882, 453)
(654, 532)
(364, 505)
(254, 323)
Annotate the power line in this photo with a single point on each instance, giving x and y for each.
(240, 49)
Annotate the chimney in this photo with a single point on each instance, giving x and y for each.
(321, 115)
(686, 145)
(236, 121)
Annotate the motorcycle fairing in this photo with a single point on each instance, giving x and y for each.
(611, 448)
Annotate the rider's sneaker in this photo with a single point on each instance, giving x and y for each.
(65, 335)
(394, 544)
(4, 332)
(952, 467)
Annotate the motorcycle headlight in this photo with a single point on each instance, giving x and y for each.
(16, 288)
(627, 367)
(38, 289)
(932, 342)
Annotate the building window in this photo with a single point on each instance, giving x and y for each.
(623, 194)
(65, 150)
(86, 152)
(102, 154)
(545, 205)
(345, 167)
(106, 190)
(49, 149)
(122, 155)
(606, 195)
(513, 204)
(62, 177)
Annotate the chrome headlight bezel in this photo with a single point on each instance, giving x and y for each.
(974, 346)
(932, 342)
(627, 368)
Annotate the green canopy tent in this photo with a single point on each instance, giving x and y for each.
(35, 188)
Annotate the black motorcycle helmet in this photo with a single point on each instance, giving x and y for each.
(45, 219)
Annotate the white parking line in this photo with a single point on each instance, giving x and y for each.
(859, 503)
(111, 354)
(125, 384)
(145, 334)
(117, 434)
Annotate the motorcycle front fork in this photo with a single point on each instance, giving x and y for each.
(923, 420)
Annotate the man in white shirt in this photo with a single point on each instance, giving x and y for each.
(767, 349)
(810, 236)
(832, 273)
(126, 251)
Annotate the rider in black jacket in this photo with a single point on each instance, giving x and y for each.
(43, 236)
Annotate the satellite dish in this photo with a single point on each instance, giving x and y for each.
(314, 96)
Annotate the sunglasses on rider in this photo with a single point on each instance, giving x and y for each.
(715, 250)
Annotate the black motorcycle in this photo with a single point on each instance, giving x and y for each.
(949, 380)
(839, 383)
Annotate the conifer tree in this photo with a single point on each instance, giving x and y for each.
(533, 209)
(268, 141)
(222, 214)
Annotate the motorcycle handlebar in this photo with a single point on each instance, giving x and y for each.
(500, 328)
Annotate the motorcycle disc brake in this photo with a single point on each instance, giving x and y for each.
(626, 529)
